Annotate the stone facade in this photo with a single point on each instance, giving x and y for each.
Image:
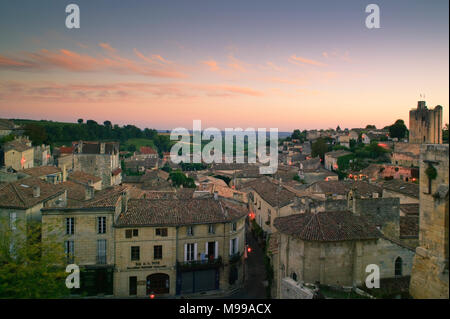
(425, 125)
(99, 159)
(430, 277)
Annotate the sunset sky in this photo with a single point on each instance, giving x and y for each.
(283, 64)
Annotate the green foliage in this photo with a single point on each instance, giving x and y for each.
(431, 172)
(226, 179)
(296, 178)
(343, 162)
(192, 166)
(178, 179)
(6, 138)
(371, 127)
(131, 148)
(398, 129)
(319, 147)
(445, 134)
(32, 268)
(166, 168)
(36, 133)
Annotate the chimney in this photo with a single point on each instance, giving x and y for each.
(36, 191)
(102, 148)
(124, 201)
(64, 173)
(89, 193)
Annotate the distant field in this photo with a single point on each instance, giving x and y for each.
(138, 142)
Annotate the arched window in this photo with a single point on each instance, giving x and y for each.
(158, 284)
(398, 266)
(294, 276)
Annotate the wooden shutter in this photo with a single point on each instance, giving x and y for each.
(216, 250)
(206, 248)
(195, 251)
(185, 252)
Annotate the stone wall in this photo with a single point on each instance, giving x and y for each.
(430, 277)
(425, 125)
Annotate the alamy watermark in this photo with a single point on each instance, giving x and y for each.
(258, 144)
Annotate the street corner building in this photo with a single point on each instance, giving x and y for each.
(137, 247)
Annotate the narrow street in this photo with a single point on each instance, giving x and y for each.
(255, 273)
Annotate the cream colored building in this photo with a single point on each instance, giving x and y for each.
(173, 247)
(18, 154)
(86, 231)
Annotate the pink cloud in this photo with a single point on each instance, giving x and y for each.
(299, 60)
(75, 62)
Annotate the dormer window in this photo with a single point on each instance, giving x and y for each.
(190, 231)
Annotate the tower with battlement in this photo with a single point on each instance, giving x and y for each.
(425, 125)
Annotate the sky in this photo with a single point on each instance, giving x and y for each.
(249, 64)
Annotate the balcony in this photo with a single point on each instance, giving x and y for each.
(234, 258)
(199, 264)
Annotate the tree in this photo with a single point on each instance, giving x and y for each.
(80, 121)
(296, 134)
(319, 148)
(445, 133)
(338, 128)
(30, 267)
(107, 123)
(371, 127)
(131, 148)
(36, 133)
(398, 129)
(178, 179)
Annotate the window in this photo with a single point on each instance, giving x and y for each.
(269, 216)
(101, 225)
(101, 251)
(161, 232)
(233, 226)
(157, 252)
(133, 285)
(69, 250)
(398, 266)
(211, 229)
(190, 231)
(135, 253)
(234, 246)
(294, 276)
(131, 233)
(189, 252)
(13, 220)
(70, 222)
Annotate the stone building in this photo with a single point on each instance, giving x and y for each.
(100, 159)
(425, 125)
(333, 248)
(331, 159)
(85, 179)
(42, 155)
(406, 154)
(21, 201)
(18, 154)
(429, 278)
(268, 200)
(85, 228)
(407, 192)
(173, 247)
(51, 174)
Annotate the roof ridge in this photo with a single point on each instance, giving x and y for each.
(18, 194)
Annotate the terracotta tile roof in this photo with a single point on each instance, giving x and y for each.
(66, 149)
(17, 145)
(343, 187)
(409, 226)
(143, 212)
(147, 150)
(39, 171)
(83, 177)
(399, 186)
(410, 209)
(272, 193)
(75, 191)
(327, 226)
(19, 194)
